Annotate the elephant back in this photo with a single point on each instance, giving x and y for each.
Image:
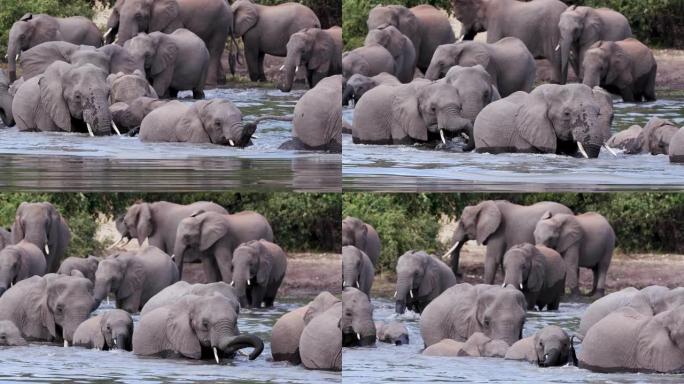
(320, 345)
(628, 297)
(285, 336)
(455, 306)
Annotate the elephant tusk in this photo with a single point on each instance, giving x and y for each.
(232, 144)
(11, 284)
(116, 129)
(344, 283)
(357, 285)
(296, 69)
(395, 294)
(557, 48)
(255, 137)
(232, 283)
(216, 356)
(47, 250)
(411, 293)
(248, 283)
(114, 341)
(16, 57)
(66, 344)
(173, 257)
(463, 135)
(503, 285)
(521, 287)
(609, 149)
(441, 134)
(107, 33)
(358, 336)
(462, 37)
(281, 67)
(581, 149)
(450, 250)
(107, 300)
(90, 129)
(113, 245)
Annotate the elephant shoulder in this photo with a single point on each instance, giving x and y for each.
(522, 349)
(88, 334)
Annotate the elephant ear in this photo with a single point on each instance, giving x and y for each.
(322, 52)
(98, 338)
(474, 54)
(165, 57)
(53, 288)
(265, 264)
(26, 17)
(484, 300)
(488, 221)
(213, 228)
(17, 233)
(246, 16)
(361, 236)
(605, 102)
(619, 67)
(534, 126)
(430, 281)
(537, 274)
(54, 231)
(180, 332)
(51, 98)
(591, 31)
(23, 270)
(133, 279)
(144, 226)
(570, 233)
(164, 16)
(406, 117)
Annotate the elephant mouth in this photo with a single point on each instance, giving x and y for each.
(402, 340)
(354, 339)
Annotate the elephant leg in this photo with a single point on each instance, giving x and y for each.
(555, 60)
(211, 273)
(601, 273)
(571, 257)
(262, 75)
(493, 258)
(252, 58)
(173, 93)
(214, 72)
(627, 94)
(649, 89)
(258, 296)
(197, 95)
(224, 260)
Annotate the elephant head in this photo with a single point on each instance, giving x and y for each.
(222, 122)
(245, 16)
(251, 265)
(357, 324)
(198, 233)
(116, 327)
(354, 232)
(25, 33)
(394, 333)
(472, 15)
(130, 115)
(417, 277)
(477, 222)
(312, 47)
(137, 223)
(10, 335)
(12, 265)
(128, 87)
(465, 54)
(352, 264)
(500, 313)
(578, 26)
(120, 274)
(606, 62)
(552, 346)
(130, 17)
(558, 231)
(397, 16)
(6, 100)
(67, 302)
(355, 87)
(158, 51)
(40, 224)
(389, 37)
(656, 136)
(525, 268)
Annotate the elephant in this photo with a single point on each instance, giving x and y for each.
(359, 84)
(581, 27)
(394, 332)
(124, 88)
(368, 60)
(173, 62)
(560, 119)
(259, 268)
(10, 336)
(195, 327)
(18, 262)
(357, 269)
(317, 50)
(210, 20)
(464, 309)
(42, 225)
(173, 292)
(628, 140)
(627, 297)
(535, 23)
(5, 238)
(481, 345)
(421, 278)
(86, 265)
(48, 308)
(444, 348)
(508, 62)
(129, 116)
(31, 30)
(363, 236)
(538, 271)
(548, 347)
(425, 25)
(401, 48)
(134, 277)
(112, 329)
(657, 135)
(267, 29)
(488, 223)
(676, 148)
(320, 345)
(214, 236)
(626, 67)
(5, 100)
(65, 98)
(358, 328)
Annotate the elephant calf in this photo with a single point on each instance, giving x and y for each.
(10, 336)
(549, 347)
(654, 138)
(420, 279)
(628, 140)
(358, 328)
(129, 116)
(477, 345)
(401, 48)
(111, 330)
(357, 269)
(320, 345)
(19, 262)
(369, 60)
(6, 100)
(258, 270)
(87, 266)
(394, 332)
(359, 84)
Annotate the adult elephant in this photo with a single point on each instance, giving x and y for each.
(581, 27)
(32, 30)
(211, 20)
(11, 336)
(42, 225)
(420, 279)
(19, 262)
(214, 237)
(321, 342)
(174, 292)
(359, 84)
(535, 23)
(357, 269)
(570, 119)
(87, 266)
(317, 50)
(401, 48)
(368, 60)
(508, 62)
(259, 268)
(626, 297)
(112, 329)
(5, 238)
(548, 347)
(5, 100)
(266, 30)
(358, 328)
(499, 225)
(676, 148)
(425, 25)
(464, 309)
(363, 236)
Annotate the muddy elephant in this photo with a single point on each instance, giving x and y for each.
(393, 332)
(259, 268)
(358, 328)
(425, 25)
(213, 237)
(174, 292)
(124, 88)
(369, 60)
(363, 236)
(499, 225)
(420, 279)
(508, 62)
(42, 225)
(18, 262)
(676, 148)
(10, 336)
(32, 30)
(320, 345)
(194, 327)
(134, 277)
(174, 62)
(357, 269)
(628, 140)
(112, 329)
(548, 347)
(359, 84)
(585, 240)
(48, 308)
(571, 119)
(129, 116)
(317, 50)
(401, 48)
(538, 271)
(464, 309)
(87, 266)
(266, 30)
(6, 100)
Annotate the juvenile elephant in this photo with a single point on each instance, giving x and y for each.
(110, 330)
(86, 265)
(359, 84)
(321, 342)
(357, 269)
(548, 347)
(560, 119)
(464, 309)
(10, 336)
(481, 345)
(317, 50)
(420, 279)
(656, 136)
(6, 100)
(358, 328)
(626, 68)
(173, 62)
(19, 262)
(129, 116)
(267, 29)
(195, 327)
(627, 297)
(42, 225)
(508, 62)
(174, 292)
(499, 225)
(369, 60)
(628, 140)
(585, 240)
(401, 48)
(363, 236)
(48, 308)
(134, 277)
(394, 332)
(214, 236)
(676, 148)
(124, 88)
(32, 30)
(539, 272)
(259, 268)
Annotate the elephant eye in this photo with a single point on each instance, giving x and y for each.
(109, 328)
(218, 123)
(486, 322)
(205, 324)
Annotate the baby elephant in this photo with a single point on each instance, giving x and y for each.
(477, 345)
(10, 335)
(258, 270)
(128, 87)
(549, 347)
(129, 116)
(357, 269)
(86, 266)
(538, 271)
(19, 262)
(110, 330)
(359, 84)
(394, 333)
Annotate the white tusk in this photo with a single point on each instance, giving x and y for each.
(296, 69)
(16, 57)
(609, 149)
(441, 134)
(173, 257)
(248, 283)
(232, 283)
(450, 250)
(255, 137)
(463, 135)
(107, 33)
(114, 341)
(395, 294)
(11, 284)
(66, 344)
(116, 129)
(216, 355)
(357, 284)
(581, 149)
(411, 293)
(461, 38)
(503, 285)
(282, 67)
(344, 283)
(107, 299)
(47, 250)
(232, 144)
(358, 335)
(90, 129)
(557, 48)
(521, 286)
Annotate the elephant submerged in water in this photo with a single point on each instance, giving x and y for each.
(10, 336)
(174, 292)
(676, 148)
(112, 329)
(359, 84)
(548, 347)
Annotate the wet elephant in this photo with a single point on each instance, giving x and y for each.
(393, 332)
(320, 345)
(124, 88)
(112, 329)
(129, 116)
(548, 347)
(259, 268)
(420, 279)
(358, 328)
(10, 336)
(174, 292)
(628, 140)
(369, 60)
(42, 225)
(317, 50)
(359, 84)
(676, 148)
(18, 262)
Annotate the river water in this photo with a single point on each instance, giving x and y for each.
(54, 364)
(386, 363)
(407, 168)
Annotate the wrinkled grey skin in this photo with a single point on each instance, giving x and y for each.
(676, 150)
(19, 262)
(112, 329)
(369, 60)
(464, 309)
(357, 269)
(5, 238)
(628, 140)
(420, 279)
(5, 100)
(48, 308)
(129, 116)
(173, 292)
(359, 84)
(358, 328)
(363, 236)
(86, 265)
(394, 332)
(445, 348)
(317, 50)
(259, 268)
(481, 345)
(549, 347)
(128, 87)
(321, 341)
(10, 336)
(195, 327)
(657, 135)
(551, 119)
(401, 48)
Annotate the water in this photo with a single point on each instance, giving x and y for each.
(406, 168)
(386, 363)
(65, 161)
(42, 363)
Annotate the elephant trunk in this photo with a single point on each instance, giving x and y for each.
(13, 51)
(239, 134)
(128, 28)
(592, 77)
(459, 239)
(6, 107)
(96, 113)
(365, 331)
(433, 72)
(6, 280)
(450, 119)
(179, 254)
(348, 95)
(122, 341)
(240, 283)
(289, 71)
(565, 47)
(233, 344)
(404, 290)
(73, 320)
(551, 358)
(101, 290)
(350, 276)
